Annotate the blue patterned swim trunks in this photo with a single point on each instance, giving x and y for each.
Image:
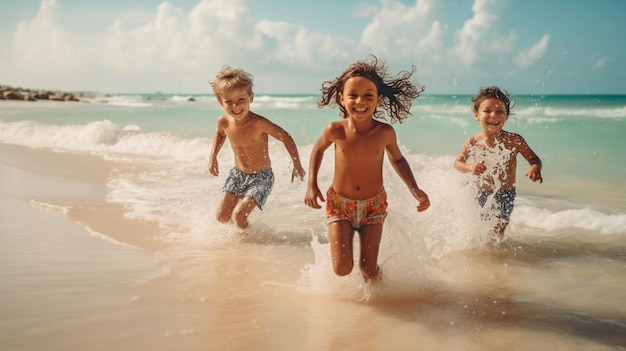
(258, 185)
(503, 202)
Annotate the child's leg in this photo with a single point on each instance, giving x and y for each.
(499, 227)
(242, 211)
(226, 207)
(370, 235)
(340, 235)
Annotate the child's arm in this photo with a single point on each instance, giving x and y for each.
(218, 141)
(401, 166)
(534, 172)
(461, 161)
(280, 134)
(317, 155)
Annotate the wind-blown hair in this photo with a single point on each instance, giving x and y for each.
(485, 93)
(398, 91)
(231, 78)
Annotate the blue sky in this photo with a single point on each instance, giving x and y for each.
(291, 46)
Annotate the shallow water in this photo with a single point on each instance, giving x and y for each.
(109, 242)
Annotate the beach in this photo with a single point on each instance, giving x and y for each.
(109, 240)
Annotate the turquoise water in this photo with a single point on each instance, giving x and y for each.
(561, 284)
(579, 138)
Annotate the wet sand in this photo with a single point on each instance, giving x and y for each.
(77, 275)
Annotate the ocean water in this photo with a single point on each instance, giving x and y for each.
(131, 172)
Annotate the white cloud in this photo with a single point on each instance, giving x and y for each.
(296, 46)
(475, 39)
(170, 43)
(533, 54)
(42, 44)
(397, 28)
(214, 32)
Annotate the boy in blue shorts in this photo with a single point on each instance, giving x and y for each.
(491, 155)
(250, 182)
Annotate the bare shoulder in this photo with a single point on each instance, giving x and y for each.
(332, 132)
(465, 148)
(384, 126)
(385, 130)
(223, 121)
(336, 126)
(340, 124)
(263, 124)
(473, 140)
(260, 119)
(513, 139)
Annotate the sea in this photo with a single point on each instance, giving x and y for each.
(109, 239)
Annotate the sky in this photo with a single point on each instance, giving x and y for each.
(293, 46)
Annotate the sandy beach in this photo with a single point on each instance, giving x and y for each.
(109, 240)
(66, 287)
(109, 188)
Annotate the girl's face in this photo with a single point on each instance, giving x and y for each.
(491, 115)
(236, 103)
(360, 97)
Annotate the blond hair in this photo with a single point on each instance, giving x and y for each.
(229, 78)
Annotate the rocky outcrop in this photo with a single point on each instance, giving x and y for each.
(13, 93)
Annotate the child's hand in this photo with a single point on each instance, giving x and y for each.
(311, 196)
(534, 173)
(299, 172)
(214, 168)
(421, 196)
(479, 168)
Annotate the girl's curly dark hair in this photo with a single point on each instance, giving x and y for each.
(398, 91)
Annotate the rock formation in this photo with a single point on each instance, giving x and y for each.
(13, 93)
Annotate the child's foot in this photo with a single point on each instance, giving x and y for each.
(372, 286)
(495, 239)
(377, 278)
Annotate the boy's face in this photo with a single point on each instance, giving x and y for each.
(360, 97)
(491, 115)
(236, 103)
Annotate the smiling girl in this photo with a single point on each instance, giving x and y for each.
(356, 199)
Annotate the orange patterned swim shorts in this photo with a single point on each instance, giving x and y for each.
(357, 212)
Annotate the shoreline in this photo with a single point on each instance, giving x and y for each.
(207, 287)
(83, 179)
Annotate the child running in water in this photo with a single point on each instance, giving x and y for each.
(356, 199)
(250, 182)
(491, 155)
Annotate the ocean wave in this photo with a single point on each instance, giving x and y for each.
(51, 207)
(552, 114)
(102, 137)
(260, 101)
(581, 218)
(442, 109)
(617, 112)
(284, 102)
(533, 114)
(120, 100)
